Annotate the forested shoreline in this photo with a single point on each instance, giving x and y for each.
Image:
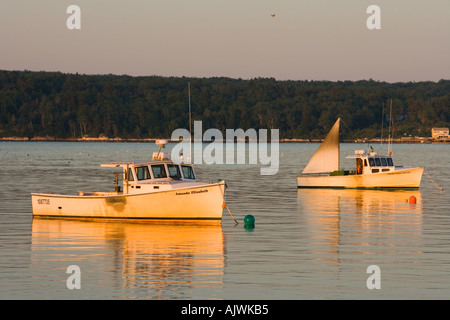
(71, 106)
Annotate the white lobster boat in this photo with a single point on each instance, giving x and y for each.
(373, 171)
(157, 190)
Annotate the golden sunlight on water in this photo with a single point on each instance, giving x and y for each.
(306, 243)
(151, 256)
(332, 213)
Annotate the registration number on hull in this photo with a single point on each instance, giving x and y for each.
(43, 201)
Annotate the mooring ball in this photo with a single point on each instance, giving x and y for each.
(249, 219)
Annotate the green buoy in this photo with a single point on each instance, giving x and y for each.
(249, 220)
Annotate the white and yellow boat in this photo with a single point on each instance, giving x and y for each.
(157, 190)
(372, 171)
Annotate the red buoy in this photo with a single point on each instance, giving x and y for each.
(412, 200)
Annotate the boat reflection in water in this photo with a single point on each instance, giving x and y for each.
(370, 220)
(158, 257)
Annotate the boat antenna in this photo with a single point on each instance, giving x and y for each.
(390, 123)
(339, 145)
(391, 129)
(382, 121)
(190, 123)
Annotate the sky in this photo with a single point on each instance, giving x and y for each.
(305, 40)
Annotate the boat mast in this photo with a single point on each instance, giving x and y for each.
(382, 121)
(190, 125)
(339, 145)
(390, 128)
(126, 175)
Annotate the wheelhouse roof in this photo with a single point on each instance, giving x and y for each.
(368, 155)
(136, 163)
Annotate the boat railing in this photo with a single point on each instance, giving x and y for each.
(403, 167)
(98, 193)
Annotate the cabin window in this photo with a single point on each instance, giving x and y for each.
(378, 162)
(174, 171)
(365, 162)
(371, 162)
(159, 171)
(375, 170)
(383, 162)
(390, 163)
(130, 175)
(142, 173)
(188, 173)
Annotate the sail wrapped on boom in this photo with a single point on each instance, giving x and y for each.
(326, 158)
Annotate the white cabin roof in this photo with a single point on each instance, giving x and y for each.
(367, 155)
(136, 163)
(123, 164)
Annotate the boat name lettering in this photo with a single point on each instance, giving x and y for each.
(200, 191)
(191, 192)
(403, 172)
(43, 201)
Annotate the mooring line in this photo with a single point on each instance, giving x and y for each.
(224, 205)
(429, 177)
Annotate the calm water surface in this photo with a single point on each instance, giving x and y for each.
(306, 244)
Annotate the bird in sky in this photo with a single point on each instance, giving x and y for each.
(273, 15)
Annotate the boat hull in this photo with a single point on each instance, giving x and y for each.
(186, 205)
(400, 179)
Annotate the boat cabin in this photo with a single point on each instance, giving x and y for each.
(150, 176)
(369, 163)
(159, 174)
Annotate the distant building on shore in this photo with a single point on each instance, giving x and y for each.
(440, 134)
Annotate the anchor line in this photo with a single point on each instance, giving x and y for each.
(226, 206)
(429, 177)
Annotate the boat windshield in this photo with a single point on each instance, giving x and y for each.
(381, 162)
(174, 171)
(159, 171)
(188, 173)
(142, 173)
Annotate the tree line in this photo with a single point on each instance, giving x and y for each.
(65, 106)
